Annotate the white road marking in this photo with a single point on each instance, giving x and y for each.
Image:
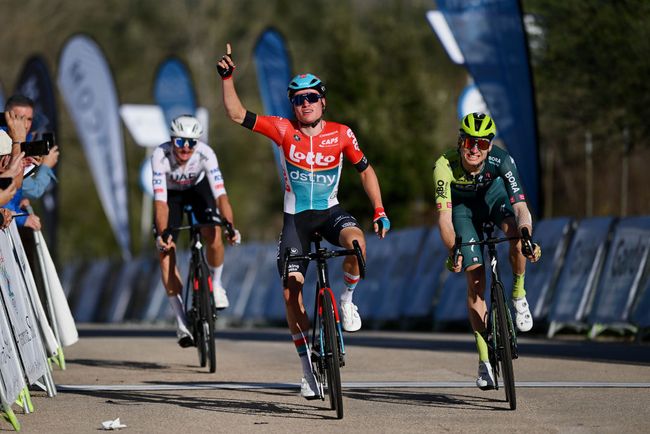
(352, 385)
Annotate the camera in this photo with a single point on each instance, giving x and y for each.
(3, 121)
(5, 182)
(37, 148)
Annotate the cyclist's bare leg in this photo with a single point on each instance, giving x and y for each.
(214, 255)
(171, 277)
(475, 275)
(214, 241)
(298, 322)
(346, 237)
(297, 318)
(523, 317)
(517, 260)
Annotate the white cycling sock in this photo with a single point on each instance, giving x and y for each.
(216, 275)
(177, 306)
(302, 346)
(350, 281)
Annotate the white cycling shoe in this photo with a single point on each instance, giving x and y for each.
(309, 389)
(485, 378)
(184, 336)
(220, 298)
(350, 316)
(523, 318)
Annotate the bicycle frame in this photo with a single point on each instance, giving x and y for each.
(328, 349)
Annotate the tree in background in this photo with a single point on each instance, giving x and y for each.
(591, 72)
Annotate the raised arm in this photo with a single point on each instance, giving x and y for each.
(234, 108)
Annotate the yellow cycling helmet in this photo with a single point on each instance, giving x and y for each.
(478, 125)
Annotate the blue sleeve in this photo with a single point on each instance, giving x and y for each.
(34, 186)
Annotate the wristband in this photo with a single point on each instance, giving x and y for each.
(379, 213)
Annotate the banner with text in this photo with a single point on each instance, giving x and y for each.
(20, 313)
(88, 90)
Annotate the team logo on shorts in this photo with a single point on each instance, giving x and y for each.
(294, 251)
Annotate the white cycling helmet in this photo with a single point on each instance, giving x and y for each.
(186, 126)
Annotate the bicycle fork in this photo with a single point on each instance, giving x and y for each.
(327, 292)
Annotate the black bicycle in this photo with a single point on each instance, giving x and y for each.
(502, 341)
(202, 314)
(327, 348)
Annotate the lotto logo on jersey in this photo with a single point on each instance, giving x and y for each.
(317, 159)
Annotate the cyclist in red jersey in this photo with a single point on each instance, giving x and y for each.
(312, 151)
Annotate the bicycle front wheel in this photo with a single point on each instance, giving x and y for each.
(332, 359)
(207, 321)
(504, 348)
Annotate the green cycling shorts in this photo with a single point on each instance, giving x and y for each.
(469, 214)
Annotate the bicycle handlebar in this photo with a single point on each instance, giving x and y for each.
(217, 221)
(323, 254)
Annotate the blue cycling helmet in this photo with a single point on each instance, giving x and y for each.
(305, 81)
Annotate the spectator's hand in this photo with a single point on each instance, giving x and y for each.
(51, 158)
(14, 165)
(5, 217)
(225, 65)
(34, 222)
(17, 126)
(30, 161)
(380, 221)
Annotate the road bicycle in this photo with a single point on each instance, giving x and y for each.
(502, 339)
(327, 347)
(202, 314)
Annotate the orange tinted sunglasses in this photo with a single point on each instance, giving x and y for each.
(482, 144)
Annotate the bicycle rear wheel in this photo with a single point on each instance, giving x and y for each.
(332, 366)
(504, 348)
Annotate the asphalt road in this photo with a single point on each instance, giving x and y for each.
(392, 382)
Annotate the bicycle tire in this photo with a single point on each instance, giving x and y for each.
(504, 346)
(332, 360)
(207, 319)
(198, 324)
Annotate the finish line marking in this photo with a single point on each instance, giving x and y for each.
(353, 385)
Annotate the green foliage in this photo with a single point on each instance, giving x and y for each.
(591, 73)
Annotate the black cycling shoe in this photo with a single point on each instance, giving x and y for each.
(186, 341)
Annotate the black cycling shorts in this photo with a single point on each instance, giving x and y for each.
(198, 197)
(298, 229)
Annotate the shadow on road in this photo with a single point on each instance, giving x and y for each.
(199, 400)
(421, 398)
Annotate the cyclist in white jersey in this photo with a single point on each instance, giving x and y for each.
(186, 172)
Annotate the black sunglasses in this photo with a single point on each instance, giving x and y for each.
(311, 98)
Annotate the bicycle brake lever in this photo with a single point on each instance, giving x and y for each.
(458, 241)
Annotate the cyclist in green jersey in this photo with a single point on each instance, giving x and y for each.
(475, 183)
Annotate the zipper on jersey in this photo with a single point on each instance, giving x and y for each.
(311, 194)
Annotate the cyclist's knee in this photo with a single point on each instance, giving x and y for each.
(475, 275)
